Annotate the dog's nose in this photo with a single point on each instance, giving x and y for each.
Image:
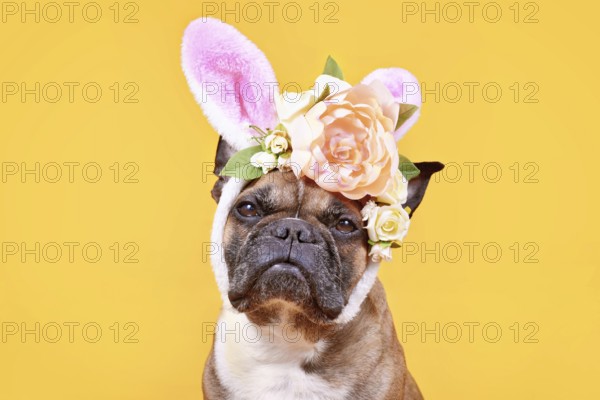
(293, 229)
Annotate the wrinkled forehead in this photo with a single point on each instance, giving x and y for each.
(282, 190)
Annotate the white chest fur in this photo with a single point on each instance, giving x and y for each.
(266, 363)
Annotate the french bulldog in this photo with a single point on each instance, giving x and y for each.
(304, 315)
(295, 252)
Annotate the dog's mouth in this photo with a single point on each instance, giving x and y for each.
(286, 268)
(291, 282)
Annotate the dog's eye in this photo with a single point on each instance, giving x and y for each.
(247, 209)
(345, 225)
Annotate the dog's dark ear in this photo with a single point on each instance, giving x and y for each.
(224, 152)
(417, 185)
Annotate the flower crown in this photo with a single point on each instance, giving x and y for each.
(341, 137)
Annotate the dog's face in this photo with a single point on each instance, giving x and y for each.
(289, 243)
(294, 249)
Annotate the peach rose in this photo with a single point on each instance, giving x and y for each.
(344, 143)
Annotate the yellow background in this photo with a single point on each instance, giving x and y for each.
(170, 293)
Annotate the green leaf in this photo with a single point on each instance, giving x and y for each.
(333, 69)
(326, 92)
(239, 165)
(385, 244)
(408, 169)
(406, 111)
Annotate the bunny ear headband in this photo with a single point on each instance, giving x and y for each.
(341, 136)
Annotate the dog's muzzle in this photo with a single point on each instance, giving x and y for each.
(289, 259)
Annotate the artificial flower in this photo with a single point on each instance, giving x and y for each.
(345, 142)
(397, 190)
(380, 252)
(387, 223)
(276, 142)
(367, 209)
(264, 160)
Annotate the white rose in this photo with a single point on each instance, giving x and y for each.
(379, 253)
(397, 190)
(387, 223)
(290, 106)
(277, 142)
(264, 160)
(293, 105)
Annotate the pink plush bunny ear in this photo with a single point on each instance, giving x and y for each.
(405, 89)
(231, 79)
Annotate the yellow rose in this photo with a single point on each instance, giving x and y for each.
(387, 223)
(397, 190)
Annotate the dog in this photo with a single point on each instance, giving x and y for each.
(304, 315)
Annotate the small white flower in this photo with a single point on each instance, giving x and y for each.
(367, 209)
(264, 160)
(379, 253)
(277, 142)
(387, 223)
(397, 190)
